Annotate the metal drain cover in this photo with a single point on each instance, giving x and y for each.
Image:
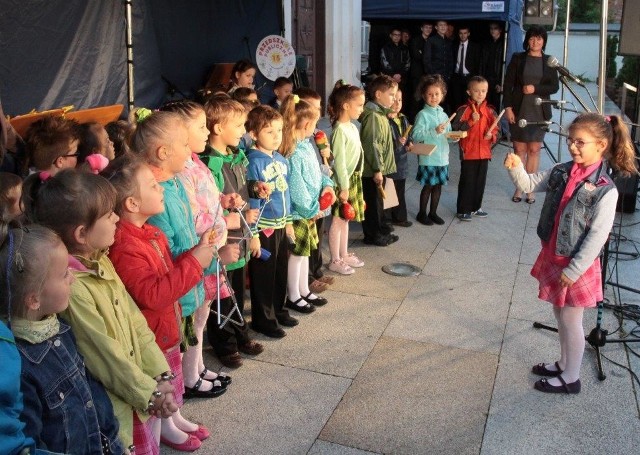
(401, 269)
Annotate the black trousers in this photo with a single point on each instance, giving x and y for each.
(373, 224)
(458, 91)
(315, 258)
(225, 341)
(268, 282)
(473, 177)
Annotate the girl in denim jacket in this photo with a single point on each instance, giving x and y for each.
(576, 218)
(65, 409)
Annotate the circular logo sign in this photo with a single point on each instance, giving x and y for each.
(275, 57)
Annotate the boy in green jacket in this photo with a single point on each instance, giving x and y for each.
(377, 142)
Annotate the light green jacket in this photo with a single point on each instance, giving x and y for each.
(118, 347)
(347, 152)
(377, 141)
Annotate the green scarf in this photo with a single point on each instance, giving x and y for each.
(215, 160)
(35, 331)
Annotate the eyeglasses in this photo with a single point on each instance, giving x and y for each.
(68, 155)
(578, 142)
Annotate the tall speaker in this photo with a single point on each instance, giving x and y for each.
(630, 29)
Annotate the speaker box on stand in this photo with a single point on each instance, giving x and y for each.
(630, 29)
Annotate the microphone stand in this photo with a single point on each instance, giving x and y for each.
(565, 83)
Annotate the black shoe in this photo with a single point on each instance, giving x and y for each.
(273, 333)
(436, 219)
(224, 379)
(306, 308)
(391, 238)
(543, 386)
(318, 301)
(405, 223)
(288, 321)
(424, 219)
(195, 392)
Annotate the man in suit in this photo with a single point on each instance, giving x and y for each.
(468, 57)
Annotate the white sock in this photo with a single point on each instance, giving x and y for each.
(293, 277)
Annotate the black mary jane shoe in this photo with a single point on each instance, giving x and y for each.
(306, 308)
(541, 370)
(224, 379)
(318, 301)
(543, 386)
(195, 392)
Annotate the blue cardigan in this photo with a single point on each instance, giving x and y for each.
(306, 181)
(178, 225)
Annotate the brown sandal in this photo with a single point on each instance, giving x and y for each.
(318, 287)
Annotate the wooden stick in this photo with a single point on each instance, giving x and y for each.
(406, 133)
(449, 119)
(496, 121)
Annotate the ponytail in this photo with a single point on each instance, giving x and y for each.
(623, 157)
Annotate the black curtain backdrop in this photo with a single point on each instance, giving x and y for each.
(55, 53)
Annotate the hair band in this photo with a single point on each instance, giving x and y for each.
(97, 162)
(142, 114)
(296, 99)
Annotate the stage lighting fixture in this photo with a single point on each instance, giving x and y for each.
(539, 12)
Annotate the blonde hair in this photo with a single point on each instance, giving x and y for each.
(154, 131)
(295, 112)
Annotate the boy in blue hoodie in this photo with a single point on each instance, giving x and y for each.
(267, 180)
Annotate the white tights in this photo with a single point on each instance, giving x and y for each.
(571, 334)
(174, 428)
(297, 277)
(338, 238)
(192, 363)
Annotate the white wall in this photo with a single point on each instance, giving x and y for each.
(584, 53)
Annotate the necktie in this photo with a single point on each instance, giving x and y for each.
(461, 66)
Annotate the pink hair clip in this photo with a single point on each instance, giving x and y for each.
(607, 119)
(44, 176)
(97, 162)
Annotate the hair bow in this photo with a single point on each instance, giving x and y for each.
(296, 99)
(97, 162)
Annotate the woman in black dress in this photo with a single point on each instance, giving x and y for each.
(529, 77)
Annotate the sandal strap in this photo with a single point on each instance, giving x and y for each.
(564, 384)
(204, 372)
(197, 385)
(558, 367)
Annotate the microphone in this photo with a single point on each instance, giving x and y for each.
(559, 133)
(553, 63)
(522, 123)
(538, 101)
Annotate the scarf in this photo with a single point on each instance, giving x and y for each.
(216, 160)
(35, 332)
